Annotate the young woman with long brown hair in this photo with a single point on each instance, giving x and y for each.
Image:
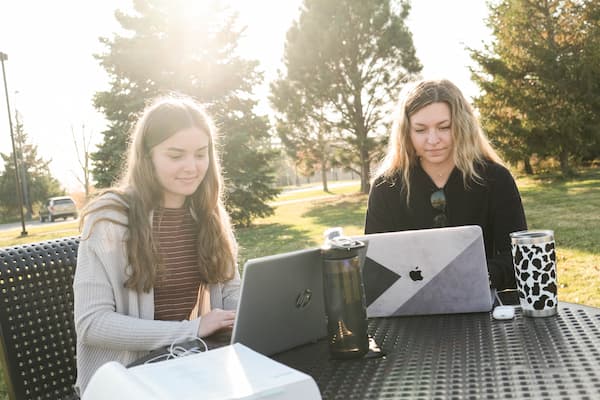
(157, 257)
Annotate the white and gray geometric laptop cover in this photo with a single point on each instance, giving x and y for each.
(429, 271)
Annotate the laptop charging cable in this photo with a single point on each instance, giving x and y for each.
(180, 349)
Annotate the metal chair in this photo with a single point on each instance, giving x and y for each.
(37, 332)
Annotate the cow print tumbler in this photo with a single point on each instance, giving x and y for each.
(534, 259)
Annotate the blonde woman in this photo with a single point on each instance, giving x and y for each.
(440, 170)
(157, 257)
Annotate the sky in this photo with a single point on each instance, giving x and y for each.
(52, 75)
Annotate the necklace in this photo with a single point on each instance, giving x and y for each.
(443, 174)
(440, 177)
(439, 173)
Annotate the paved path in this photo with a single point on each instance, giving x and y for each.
(316, 186)
(304, 200)
(319, 186)
(18, 226)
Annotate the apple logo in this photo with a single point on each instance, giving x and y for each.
(415, 274)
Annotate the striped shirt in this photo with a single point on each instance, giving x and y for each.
(179, 286)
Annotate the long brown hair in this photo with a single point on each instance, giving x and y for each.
(471, 146)
(141, 193)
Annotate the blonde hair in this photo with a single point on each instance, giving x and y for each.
(471, 146)
(141, 193)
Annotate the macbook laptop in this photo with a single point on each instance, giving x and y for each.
(429, 271)
(281, 302)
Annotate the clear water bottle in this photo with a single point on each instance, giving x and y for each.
(344, 298)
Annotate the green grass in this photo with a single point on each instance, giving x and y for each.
(301, 224)
(38, 233)
(570, 207)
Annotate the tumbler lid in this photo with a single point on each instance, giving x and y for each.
(341, 247)
(532, 237)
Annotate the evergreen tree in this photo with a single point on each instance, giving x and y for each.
(540, 78)
(345, 62)
(37, 184)
(168, 48)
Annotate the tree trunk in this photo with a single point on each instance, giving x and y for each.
(365, 171)
(296, 177)
(87, 187)
(564, 162)
(527, 166)
(324, 175)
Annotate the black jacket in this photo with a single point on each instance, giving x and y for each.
(494, 204)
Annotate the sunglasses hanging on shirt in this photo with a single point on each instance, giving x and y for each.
(438, 202)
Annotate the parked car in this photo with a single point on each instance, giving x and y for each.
(58, 207)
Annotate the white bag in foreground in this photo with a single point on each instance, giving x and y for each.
(230, 372)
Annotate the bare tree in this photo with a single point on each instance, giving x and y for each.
(83, 158)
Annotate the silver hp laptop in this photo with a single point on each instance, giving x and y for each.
(281, 302)
(429, 271)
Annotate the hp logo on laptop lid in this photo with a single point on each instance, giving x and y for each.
(303, 298)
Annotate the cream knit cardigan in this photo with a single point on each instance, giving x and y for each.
(114, 323)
